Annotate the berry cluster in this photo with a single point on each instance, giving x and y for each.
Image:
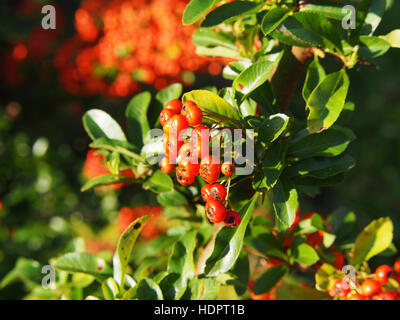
(186, 148)
(122, 43)
(380, 285)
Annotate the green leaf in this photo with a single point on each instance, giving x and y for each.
(204, 289)
(315, 74)
(273, 19)
(209, 38)
(322, 168)
(228, 243)
(84, 263)
(254, 76)
(294, 291)
(273, 164)
(393, 38)
(136, 118)
(325, 11)
(269, 279)
(324, 276)
(122, 147)
(228, 11)
(241, 271)
(124, 249)
(303, 253)
(326, 101)
(375, 238)
(110, 289)
(159, 182)
(293, 33)
(372, 47)
(106, 180)
(213, 107)
(232, 70)
(221, 52)
(374, 16)
(173, 91)
(27, 270)
(172, 198)
(181, 262)
(196, 9)
(328, 143)
(147, 289)
(264, 241)
(99, 124)
(285, 205)
(271, 128)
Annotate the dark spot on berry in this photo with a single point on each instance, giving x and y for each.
(137, 226)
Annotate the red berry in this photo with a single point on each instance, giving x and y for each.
(213, 192)
(382, 273)
(210, 169)
(354, 296)
(370, 287)
(396, 266)
(183, 178)
(174, 105)
(387, 295)
(186, 105)
(228, 168)
(166, 115)
(339, 288)
(171, 147)
(232, 219)
(188, 151)
(177, 125)
(188, 168)
(166, 165)
(201, 133)
(215, 211)
(194, 115)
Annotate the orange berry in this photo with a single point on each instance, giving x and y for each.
(174, 105)
(228, 168)
(370, 287)
(166, 115)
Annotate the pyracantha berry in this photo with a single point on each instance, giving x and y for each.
(171, 146)
(213, 192)
(382, 273)
(174, 105)
(228, 168)
(186, 105)
(200, 133)
(177, 125)
(183, 178)
(166, 165)
(165, 116)
(194, 115)
(188, 168)
(396, 266)
(370, 287)
(339, 288)
(215, 211)
(232, 219)
(387, 295)
(210, 169)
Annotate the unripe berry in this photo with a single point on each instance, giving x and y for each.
(174, 105)
(166, 115)
(215, 211)
(232, 219)
(228, 168)
(194, 115)
(210, 169)
(382, 273)
(166, 165)
(370, 287)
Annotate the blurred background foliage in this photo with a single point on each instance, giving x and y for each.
(43, 145)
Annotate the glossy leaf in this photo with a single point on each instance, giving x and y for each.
(172, 198)
(324, 276)
(228, 11)
(315, 74)
(204, 289)
(147, 289)
(372, 47)
(375, 238)
(303, 253)
(273, 19)
(136, 118)
(228, 243)
(159, 182)
(328, 143)
(99, 124)
(326, 101)
(325, 11)
(269, 279)
(124, 249)
(254, 76)
(285, 205)
(196, 9)
(110, 289)
(84, 263)
(393, 38)
(106, 180)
